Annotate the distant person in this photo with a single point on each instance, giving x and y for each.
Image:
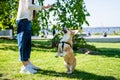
(89, 34)
(24, 18)
(104, 34)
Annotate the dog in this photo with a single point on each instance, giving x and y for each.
(65, 50)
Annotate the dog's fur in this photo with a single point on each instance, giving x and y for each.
(65, 50)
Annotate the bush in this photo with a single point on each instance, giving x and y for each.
(81, 43)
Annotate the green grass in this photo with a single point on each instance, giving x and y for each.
(105, 66)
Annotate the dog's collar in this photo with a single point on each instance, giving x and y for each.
(66, 43)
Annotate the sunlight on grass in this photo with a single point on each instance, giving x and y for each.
(89, 67)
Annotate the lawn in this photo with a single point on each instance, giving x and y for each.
(105, 66)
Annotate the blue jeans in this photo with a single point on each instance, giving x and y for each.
(24, 38)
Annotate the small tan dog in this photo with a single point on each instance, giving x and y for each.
(65, 50)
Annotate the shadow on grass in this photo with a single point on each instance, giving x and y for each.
(13, 48)
(37, 45)
(76, 75)
(8, 44)
(45, 45)
(8, 41)
(110, 52)
(1, 75)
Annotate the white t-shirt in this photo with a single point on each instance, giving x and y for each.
(25, 9)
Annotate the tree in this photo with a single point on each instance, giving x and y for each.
(4, 12)
(70, 13)
(67, 13)
(8, 9)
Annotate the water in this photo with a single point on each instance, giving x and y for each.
(94, 30)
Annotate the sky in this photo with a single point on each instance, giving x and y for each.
(103, 13)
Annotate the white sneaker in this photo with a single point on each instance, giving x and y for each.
(27, 69)
(33, 66)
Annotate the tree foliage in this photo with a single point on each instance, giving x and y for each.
(66, 13)
(8, 9)
(70, 13)
(4, 12)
